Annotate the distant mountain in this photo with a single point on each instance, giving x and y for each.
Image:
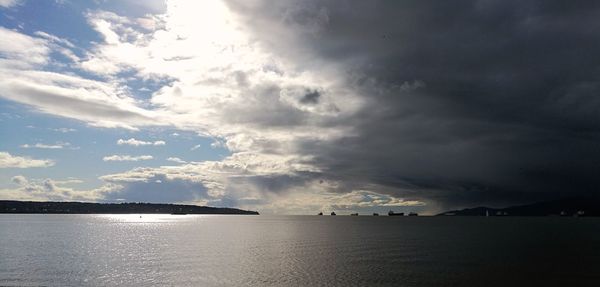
(12, 206)
(564, 207)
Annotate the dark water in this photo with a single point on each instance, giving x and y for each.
(175, 250)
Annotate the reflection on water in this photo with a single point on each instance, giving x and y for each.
(215, 250)
(148, 218)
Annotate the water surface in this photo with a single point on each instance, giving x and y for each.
(230, 250)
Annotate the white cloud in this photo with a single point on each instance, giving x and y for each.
(9, 3)
(99, 104)
(55, 39)
(134, 142)
(196, 147)
(59, 145)
(64, 130)
(217, 144)
(23, 80)
(224, 86)
(219, 81)
(21, 51)
(60, 45)
(12, 161)
(126, 158)
(220, 86)
(176, 159)
(49, 189)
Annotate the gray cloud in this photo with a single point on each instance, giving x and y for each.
(467, 102)
(310, 98)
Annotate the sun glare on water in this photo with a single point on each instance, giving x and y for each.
(147, 218)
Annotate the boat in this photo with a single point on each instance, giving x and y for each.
(320, 213)
(391, 213)
(332, 213)
(375, 214)
(413, 214)
(354, 214)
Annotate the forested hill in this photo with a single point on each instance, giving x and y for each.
(562, 207)
(12, 206)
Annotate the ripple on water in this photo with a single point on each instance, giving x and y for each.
(159, 250)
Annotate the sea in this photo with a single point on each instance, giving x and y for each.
(244, 250)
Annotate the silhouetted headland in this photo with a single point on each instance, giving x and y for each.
(562, 207)
(12, 206)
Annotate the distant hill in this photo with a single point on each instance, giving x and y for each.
(564, 207)
(12, 206)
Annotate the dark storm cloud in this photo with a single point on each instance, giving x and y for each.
(469, 102)
(310, 98)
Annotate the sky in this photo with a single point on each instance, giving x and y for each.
(296, 107)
